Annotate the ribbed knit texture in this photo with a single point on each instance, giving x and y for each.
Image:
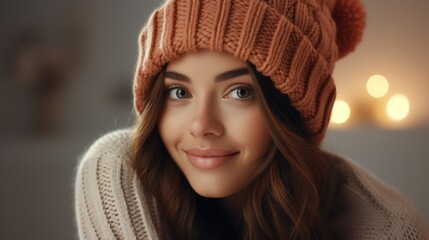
(294, 42)
(111, 204)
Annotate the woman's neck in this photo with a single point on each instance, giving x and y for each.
(233, 206)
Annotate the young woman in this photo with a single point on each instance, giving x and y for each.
(233, 100)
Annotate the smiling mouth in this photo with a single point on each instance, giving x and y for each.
(209, 159)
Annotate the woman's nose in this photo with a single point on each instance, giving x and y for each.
(206, 121)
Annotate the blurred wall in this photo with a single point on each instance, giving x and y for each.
(397, 157)
(89, 50)
(94, 47)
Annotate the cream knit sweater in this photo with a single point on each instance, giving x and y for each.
(111, 204)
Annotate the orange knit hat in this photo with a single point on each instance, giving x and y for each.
(294, 42)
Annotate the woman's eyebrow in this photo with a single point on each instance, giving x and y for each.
(232, 74)
(177, 76)
(221, 77)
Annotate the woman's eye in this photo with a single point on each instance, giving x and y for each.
(241, 93)
(177, 93)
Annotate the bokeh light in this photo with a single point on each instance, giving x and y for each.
(398, 107)
(377, 86)
(340, 112)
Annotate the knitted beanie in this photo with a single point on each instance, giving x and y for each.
(294, 42)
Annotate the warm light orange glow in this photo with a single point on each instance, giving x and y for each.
(377, 86)
(398, 107)
(340, 112)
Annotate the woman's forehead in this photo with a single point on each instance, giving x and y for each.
(206, 62)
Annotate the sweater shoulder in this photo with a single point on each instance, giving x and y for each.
(368, 208)
(109, 201)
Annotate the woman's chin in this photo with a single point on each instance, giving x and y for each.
(210, 193)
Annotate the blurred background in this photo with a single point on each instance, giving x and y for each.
(66, 71)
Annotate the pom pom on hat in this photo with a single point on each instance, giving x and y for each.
(349, 16)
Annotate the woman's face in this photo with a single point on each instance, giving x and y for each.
(211, 123)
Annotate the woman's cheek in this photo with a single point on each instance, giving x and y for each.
(249, 128)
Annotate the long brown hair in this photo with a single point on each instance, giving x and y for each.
(283, 202)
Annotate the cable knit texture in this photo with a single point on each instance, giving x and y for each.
(294, 42)
(111, 204)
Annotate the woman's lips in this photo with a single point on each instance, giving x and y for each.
(209, 158)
